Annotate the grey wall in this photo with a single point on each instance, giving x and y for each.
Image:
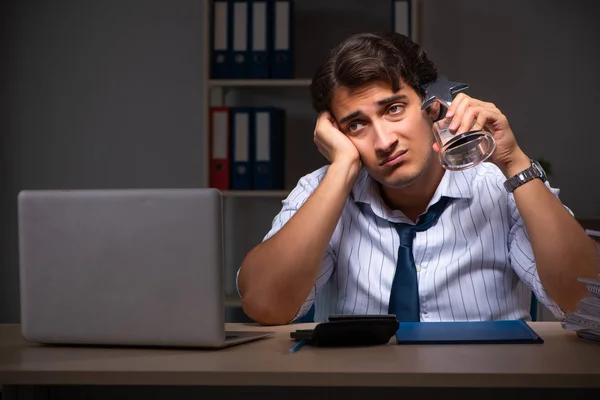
(538, 61)
(95, 94)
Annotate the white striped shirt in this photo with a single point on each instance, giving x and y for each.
(475, 263)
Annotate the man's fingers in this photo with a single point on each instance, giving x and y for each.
(322, 118)
(455, 105)
(468, 120)
(476, 118)
(480, 122)
(460, 108)
(325, 121)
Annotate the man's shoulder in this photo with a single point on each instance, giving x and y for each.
(484, 179)
(313, 179)
(487, 172)
(307, 184)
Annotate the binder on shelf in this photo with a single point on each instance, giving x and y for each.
(239, 39)
(269, 141)
(240, 154)
(401, 17)
(220, 54)
(282, 60)
(219, 148)
(259, 43)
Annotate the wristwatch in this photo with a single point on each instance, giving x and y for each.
(533, 172)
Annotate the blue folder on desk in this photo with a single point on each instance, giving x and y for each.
(480, 332)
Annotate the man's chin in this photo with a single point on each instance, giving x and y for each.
(398, 180)
(399, 184)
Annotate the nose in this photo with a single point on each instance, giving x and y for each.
(385, 138)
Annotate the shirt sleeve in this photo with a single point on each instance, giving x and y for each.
(522, 257)
(296, 199)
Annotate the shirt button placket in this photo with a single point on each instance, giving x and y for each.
(423, 306)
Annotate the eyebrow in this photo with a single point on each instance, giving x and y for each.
(391, 99)
(349, 117)
(380, 103)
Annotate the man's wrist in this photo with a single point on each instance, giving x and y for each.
(518, 164)
(347, 169)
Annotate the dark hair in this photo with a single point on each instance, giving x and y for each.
(369, 57)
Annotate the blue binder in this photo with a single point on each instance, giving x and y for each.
(259, 33)
(282, 51)
(269, 141)
(241, 148)
(220, 54)
(480, 332)
(239, 39)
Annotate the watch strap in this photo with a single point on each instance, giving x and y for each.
(528, 174)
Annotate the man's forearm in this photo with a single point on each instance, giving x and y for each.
(562, 250)
(277, 275)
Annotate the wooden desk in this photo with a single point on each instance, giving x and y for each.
(563, 361)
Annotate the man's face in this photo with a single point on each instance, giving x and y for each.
(392, 134)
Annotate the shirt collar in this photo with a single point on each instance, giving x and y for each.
(454, 184)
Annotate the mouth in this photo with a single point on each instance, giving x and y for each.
(394, 159)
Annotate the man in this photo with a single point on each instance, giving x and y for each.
(336, 243)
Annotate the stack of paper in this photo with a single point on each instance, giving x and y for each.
(586, 320)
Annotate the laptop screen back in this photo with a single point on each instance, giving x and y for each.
(132, 267)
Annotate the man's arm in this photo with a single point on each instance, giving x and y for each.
(563, 252)
(277, 275)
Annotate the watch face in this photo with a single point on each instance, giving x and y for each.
(539, 168)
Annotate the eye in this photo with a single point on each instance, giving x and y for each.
(354, 126)
(395, 109)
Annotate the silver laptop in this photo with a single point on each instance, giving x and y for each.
(137, 267)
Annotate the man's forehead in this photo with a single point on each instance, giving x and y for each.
(376, 92)
(384, 87)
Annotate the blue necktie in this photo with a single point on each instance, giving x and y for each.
(404, 297)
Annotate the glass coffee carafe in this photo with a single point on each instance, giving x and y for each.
(458, 150)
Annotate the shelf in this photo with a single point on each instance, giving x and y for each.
(255, 193)
(232, 301)
(213, 83)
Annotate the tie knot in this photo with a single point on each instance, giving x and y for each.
(406, 233)
(432, 215)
